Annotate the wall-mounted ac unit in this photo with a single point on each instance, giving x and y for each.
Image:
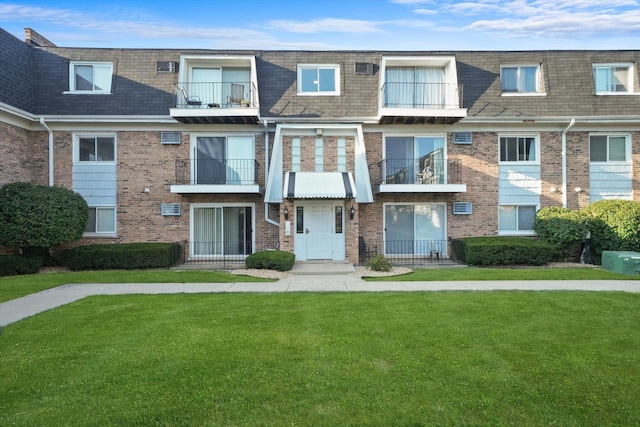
(365, 68)
(170, 209)
(462, 138)
(170, 137)
(167, 66)
(462, 208)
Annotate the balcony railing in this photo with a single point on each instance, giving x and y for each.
(421, 95)
(216, 95)
(406, 252)
(214, 171)
(223, 252)
(420, 171)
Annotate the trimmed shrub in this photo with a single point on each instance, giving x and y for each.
(614, 226)
(491, 251)
(563, 228)
(271, 260)
(380, 263)
(457, 249)
(16, 264)
(125, 256)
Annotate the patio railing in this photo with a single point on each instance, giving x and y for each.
(405, 252)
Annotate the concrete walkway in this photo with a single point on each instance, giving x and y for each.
(20, 308)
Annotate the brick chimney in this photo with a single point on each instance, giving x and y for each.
(33, 38)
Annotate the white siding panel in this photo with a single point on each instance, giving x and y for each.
(519, 184)
(610, 182)
(97, 184)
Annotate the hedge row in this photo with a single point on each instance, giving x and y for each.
(492, 251)
(11, 265)
(271, 260)
(126, 256)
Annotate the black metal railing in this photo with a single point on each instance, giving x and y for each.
(420, 171)
(405, 252)
(216, 95)
(224, 252)
(214, 171)
(422, 95)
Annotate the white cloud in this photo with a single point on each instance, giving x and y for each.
(325, 25)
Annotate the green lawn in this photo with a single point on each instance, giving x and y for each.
(18, 286)
(439, 358)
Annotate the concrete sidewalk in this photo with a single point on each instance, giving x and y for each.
(15, 310)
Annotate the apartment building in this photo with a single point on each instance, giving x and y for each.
(321, 153)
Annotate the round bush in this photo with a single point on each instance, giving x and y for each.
(614, 225)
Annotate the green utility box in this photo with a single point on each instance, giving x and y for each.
(622, 262)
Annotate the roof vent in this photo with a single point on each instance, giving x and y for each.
(170, 209)
(462, 208)
(462, 138)
(170, 137)
(364, 68)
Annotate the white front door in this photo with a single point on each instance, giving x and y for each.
(319, 231)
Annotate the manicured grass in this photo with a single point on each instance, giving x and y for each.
(472, 273)
(17, 286)
(448, 358)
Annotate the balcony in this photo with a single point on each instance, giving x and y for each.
(419, 103)
(216, 103)
(209, 176)
(426, 175)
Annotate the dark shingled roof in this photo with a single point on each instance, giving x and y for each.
(15, 68)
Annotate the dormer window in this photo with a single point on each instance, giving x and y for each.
(520, 79)
(318, 79)
(90, 77)
(613, 78)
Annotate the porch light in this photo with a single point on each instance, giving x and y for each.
(286, 213)
(352, 212)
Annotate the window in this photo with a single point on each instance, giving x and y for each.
(319, 155)
(520, 79)
(226, 160)
(415, 228)
(318, 79)
(342, 155)
(613, 78)
(90, 77)
(222, 230)
(414, 160)
(96, 148)
(518, 149)
(299, 219)
(101, 220)
(338, 219)
(415, 87)
(516, 218)
(608, 148)
(295, 155)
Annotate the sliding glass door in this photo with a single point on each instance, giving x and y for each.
(222, 230)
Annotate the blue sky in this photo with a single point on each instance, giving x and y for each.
(330, 24)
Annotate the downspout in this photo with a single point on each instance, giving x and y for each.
(266, 172)
(44, 125)
(564, 162)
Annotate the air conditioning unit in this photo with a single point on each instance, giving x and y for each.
(462, 208)
(170, 209)
(462, 138)
(364, 68)
(170, 138)
(167, 66)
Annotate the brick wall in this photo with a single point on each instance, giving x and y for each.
(24, 155)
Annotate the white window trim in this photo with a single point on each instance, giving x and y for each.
(335, 67)
(220, 205)
(516, 232)
(630, 78)
(113, 233)
(72, 78)
(627, 148)
(414, 136)
(523, 162)
(76, 148)
(538, 91)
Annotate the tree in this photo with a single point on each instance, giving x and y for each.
(38, 216)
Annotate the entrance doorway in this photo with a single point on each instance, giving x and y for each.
(319, 230)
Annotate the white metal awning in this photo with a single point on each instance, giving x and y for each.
(319, 185)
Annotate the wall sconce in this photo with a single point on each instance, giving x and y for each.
(578, 189)
(553, 190)
(352, 212)
(286, 213)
